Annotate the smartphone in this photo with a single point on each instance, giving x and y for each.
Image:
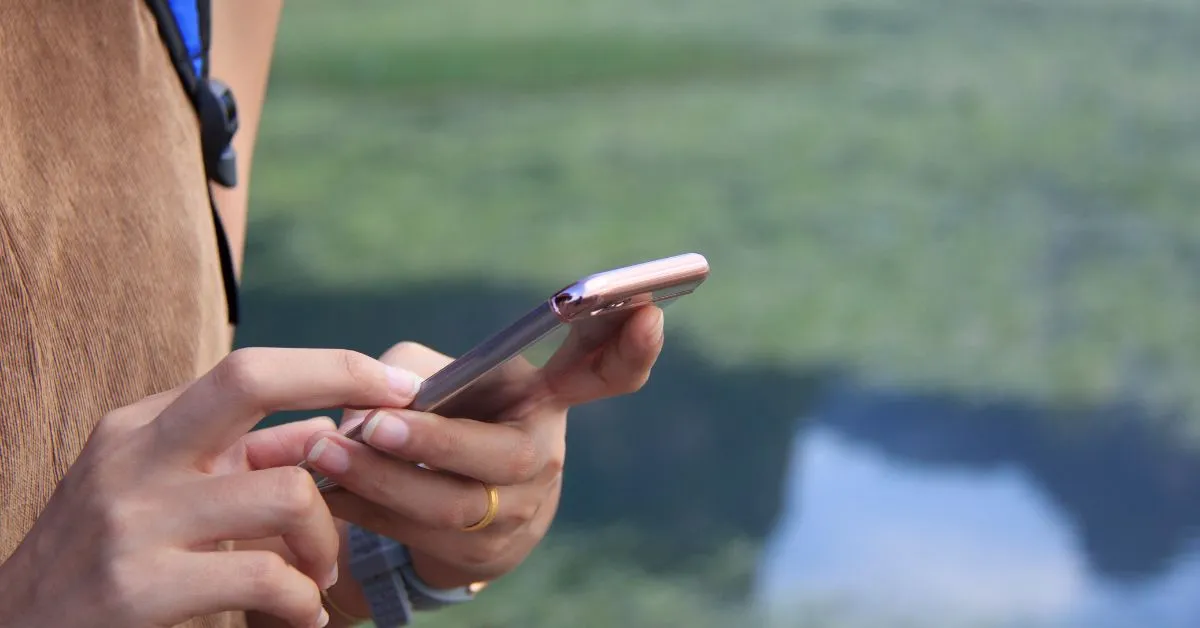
(590, 312)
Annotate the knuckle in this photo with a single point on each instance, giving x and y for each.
(239, 372)
(524, 512)
(115, 422)
(360, 369)
(126, 581)
(440, 444)
(295, 495)
(378, 485)
(264, 574)
(525, 460)
(110, 422)
(381, 488)
(119, 520)
(554, 463)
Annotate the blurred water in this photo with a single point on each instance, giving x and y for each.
(909, 508)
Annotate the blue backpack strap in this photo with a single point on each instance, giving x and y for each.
(187, 20)
(185, 29)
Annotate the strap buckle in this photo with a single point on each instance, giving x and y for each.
(218, 115)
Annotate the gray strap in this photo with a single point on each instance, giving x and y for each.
(376, 563)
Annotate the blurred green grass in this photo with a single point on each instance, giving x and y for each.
(973, 194)
(573, 580)
(980, 194)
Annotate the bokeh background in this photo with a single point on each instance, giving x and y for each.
(945, 372)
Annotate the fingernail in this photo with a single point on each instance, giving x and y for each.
(323, 618)
(403, 383)
(328, 457)
(332, 578)
(386, 431)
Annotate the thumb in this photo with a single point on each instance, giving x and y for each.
(282, 445)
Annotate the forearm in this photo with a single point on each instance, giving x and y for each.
(243, 40)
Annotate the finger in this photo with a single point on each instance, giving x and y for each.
(277, 446)
(283, 444)
(499, 454)
(411, 356)
(429, 498)
(514, 380)
(482, 555)
(622, 366)
(415, 357)
(275, 502)
(248, 384)
(215, 582)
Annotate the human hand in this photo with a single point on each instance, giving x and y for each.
(132, 535)
(514, 438)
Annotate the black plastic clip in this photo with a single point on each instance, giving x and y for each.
(218, 123)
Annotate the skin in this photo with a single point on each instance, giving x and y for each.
(517, 443)
(514, 438)
(188, 452)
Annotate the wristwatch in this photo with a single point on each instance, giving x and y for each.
(393, 590)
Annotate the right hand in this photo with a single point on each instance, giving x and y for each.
(130, 537)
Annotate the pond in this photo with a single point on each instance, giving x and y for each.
(940, 513)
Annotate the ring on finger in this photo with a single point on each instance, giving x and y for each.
(493, 508)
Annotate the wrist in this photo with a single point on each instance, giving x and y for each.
(440, 575)
(386, 578)
(350, 606)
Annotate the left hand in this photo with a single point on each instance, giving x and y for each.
(515, 440)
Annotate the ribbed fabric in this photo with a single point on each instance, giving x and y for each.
(110, 285)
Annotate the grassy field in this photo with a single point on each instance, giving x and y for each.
(988, 195)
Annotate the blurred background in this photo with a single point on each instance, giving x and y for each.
(945, 370)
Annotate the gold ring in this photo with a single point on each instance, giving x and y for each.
(493, 507)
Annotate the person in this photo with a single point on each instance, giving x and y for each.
(133, 490)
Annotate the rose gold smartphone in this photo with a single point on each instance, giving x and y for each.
(591, 311)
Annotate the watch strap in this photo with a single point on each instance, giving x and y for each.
(375, 563)
(426, 598)
(391, 585)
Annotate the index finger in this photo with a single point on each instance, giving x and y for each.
(220, 407)
(619, 366)
(410, 356)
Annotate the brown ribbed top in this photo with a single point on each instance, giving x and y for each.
(110, 285)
